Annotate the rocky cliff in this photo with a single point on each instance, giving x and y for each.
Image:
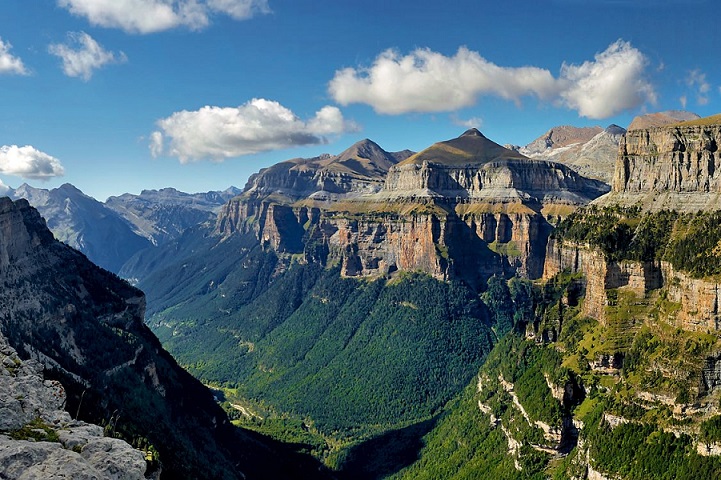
(672, 167)
(465, 208)
(697, 299)
(38, 439)
(85, 327)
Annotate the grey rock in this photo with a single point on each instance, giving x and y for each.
(25, 397)
(114, 459)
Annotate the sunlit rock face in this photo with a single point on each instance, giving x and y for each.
(465, 208)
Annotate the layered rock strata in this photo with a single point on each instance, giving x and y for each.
(672, 167)
(466, 208)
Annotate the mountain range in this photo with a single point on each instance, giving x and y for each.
(111, 233)
(461, 312)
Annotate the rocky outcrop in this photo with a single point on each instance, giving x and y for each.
(590, 151)
(671, 167)
(601, 274)
(85, 327)
(697, 299)
(38, 439)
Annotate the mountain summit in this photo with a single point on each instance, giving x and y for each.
(471, 148)
(591, 151)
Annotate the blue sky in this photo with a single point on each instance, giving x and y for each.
(118, 96)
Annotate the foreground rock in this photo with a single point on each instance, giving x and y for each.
(39, 440)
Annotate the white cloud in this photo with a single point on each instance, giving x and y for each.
(473, 122)
(10, 64)
(613, 82)
(83, 55)
(259, 125)
(684, 101)
(426, 81)
(148, 16)
(28, 162)
(239, 9)
(696, 80)
(4, 189)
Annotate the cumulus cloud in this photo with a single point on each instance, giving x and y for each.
(28, 162)
(426, 81)
(83, 55)
(259, 125)
(148, 16)
(10, 64)
(613, 82)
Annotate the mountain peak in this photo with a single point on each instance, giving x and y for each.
(614, 129)
(365, 148)
(472, 132)
(660, 119)
(470, 148)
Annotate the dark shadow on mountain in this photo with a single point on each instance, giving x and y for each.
(387, 453)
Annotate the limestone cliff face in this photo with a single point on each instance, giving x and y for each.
(505, 180)
(698, 299)
(601, 274)
(679, 159)
(669, 167)
(466, 208)
(445, 244)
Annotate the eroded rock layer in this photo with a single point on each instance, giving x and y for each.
(465, 208)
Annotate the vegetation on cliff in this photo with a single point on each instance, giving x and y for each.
(691, 242)
(630, 385)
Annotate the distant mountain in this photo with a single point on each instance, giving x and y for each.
(360, 169)
(111, 233)
(660, 119)
(85, 224)
(591, 151)
(471, 148)
(162, 215)
(85, 327)
(474, 167)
